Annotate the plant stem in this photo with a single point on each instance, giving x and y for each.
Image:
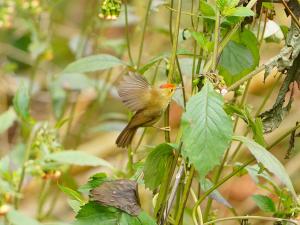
(185, 195)
(250, 217)
(26, 157)
(42, 198)
(143, 34)
(198, 209)
(216, 40)
(130, 161)
(127, 32)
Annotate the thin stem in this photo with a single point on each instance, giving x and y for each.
(291, 13)
(250, 217)
(264, 28)
(143, 34)
(216, 40)
(185, 195)
(42, 198)
(130, 161)
(198, 209)
(127, 32)
(26, 157)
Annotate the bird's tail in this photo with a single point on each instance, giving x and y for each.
(125, 137)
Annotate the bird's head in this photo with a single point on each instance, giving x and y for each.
(167, 89)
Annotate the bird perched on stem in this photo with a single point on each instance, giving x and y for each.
(148, 103)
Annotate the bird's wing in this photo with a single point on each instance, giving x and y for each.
(135, 92)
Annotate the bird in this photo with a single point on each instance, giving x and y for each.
(147, 101)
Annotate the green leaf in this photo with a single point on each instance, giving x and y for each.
(142, 219)
(239, 11)
(7, 119)
(235, 62)
(75, 205)
(93, 213)
(93, 63)
(17, 218)
(206, 9)
(202, 41)
(21, 103)
(265, 203)
(77, 158)
(75, 81)
(269, 161)
(156, 164)
(207, 130)
(94, 181)
(73, 194)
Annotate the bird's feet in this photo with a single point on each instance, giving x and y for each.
(163, 128)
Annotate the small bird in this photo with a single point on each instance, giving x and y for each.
(148, 103)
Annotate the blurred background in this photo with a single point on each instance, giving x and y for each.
(39, 38)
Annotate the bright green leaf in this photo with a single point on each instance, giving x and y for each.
(202, 41)
(269, 161)
(93, 63)
(265, 203)
(77, 158)
(7, 119)
(156, 164)
(17, 218)
(72, 193)
(207, 130)
(239, 11)
(206, 9)
(74, 204)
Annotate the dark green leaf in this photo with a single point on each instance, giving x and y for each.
(21, 103)
(142, 219)
(265, 203)
(72, 193)
(7, 119)
(77, 158)
(93, 213)
(17, 218)
(156, 164)
(93, 63)
(207, 130)
(94, 181)
(269, 161)
(235, 62)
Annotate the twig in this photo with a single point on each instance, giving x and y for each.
(295, 19)
(251, 217)
(127, 32)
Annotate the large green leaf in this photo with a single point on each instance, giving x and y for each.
(156, 164)
(235, 62)
(6, 119)
(77, 158)
(239, 11)
(17, 218)
(268, 160)
(93, 213)
(265, 203)
(239, 57)
(207, 129)
(93, 63)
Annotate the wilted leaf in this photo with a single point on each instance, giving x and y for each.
(93, 63)
(265, 203)
(206, 184)
(7, 119)
(207, 129)
(121, 194)
(72, 193)
(77, 158)
(269, 161)
(156, 164)
(17, 218)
